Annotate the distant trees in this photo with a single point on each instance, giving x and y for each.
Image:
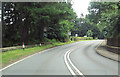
(32, 22)
(83, 25)
(103, 20)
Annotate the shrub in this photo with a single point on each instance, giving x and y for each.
(82, 38)
(53, 40)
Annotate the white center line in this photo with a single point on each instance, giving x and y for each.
(67, 57)
(70, 69)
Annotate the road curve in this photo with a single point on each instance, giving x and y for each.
(90, 63)
(51, 61)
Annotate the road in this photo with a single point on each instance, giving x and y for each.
(56, 61)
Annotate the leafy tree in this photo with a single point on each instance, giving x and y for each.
(89, 33)
(27, 24)
(106, 16)
(82, 25)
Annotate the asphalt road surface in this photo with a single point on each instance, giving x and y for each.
(76, 58)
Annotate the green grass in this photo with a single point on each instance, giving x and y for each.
(13, 55)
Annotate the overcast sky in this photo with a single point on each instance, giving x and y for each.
(80, 6)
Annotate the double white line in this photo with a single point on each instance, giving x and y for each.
(68, 62)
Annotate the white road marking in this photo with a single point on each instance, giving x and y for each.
(22, 60)
(67, 56)
(68, 66)
(99, 44)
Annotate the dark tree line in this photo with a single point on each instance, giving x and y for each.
(33, 22)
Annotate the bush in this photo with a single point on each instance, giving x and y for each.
(46, 40)
(76, 38)
(49, 40)
(53, 40)
(82, 38)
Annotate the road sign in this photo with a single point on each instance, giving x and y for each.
(76, 35)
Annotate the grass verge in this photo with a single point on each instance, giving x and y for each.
(14, 55)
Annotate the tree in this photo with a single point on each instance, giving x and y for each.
(106, 16)
(28, 25)
(82, 25)
(89, 33)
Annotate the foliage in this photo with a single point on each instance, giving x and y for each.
(83, 38)
(106, 16)
(82, 25)
(102, 21)
(27, 24)
(89, 33)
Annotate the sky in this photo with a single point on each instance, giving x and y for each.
(80, 6)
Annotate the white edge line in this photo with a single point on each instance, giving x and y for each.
(100, 44)
(21, 60)
(24, 59)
